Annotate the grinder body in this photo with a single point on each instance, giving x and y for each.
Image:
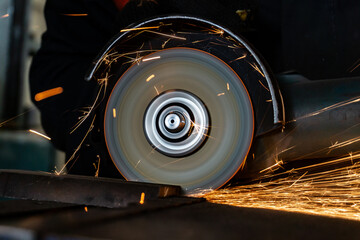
(179, 68)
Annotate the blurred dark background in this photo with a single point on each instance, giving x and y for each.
(318, 39)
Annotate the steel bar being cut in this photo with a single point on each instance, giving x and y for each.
(81, 190)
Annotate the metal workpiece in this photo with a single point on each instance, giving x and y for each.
(80, 190)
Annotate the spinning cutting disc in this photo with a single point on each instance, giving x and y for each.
(179, 116)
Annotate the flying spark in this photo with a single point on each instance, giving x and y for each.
(78, 148)
(137, 29)
(354, 66)
(75, 14)
(98, 166)
(86, 113)
(170, 163)
(344, 143)
(150, 77)
(5, 16)
(137, 164)
(39, 134)
(17, 116)
(331, 107)
(253, 65)
(149, 59)
(164, 44)
(274, 167)
(197, 127)
(267, 89)
(157, 91)
(216, 31)
(239, 58)
(168, 35)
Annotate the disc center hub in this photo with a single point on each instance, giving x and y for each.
(176, 123)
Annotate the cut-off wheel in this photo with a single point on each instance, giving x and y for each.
(179, 116)
(178, 102)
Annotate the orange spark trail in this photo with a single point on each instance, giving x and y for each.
(354, 66)
(334, 192)
(264, 86)
(239, 58)
(168, 35)
(5, 16)
(157, 91)
(75, 14)
(345, 143)
(48, 93)
(98, 166)
(137, 29)
(78, 148)
(254, 66)
(15, 117)
(331, 107)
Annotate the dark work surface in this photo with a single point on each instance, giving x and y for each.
(177, 218)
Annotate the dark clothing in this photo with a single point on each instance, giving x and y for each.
(68, 47)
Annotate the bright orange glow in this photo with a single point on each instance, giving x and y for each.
(48, 93)
(86, 209)
(114, 112)
(5, 16)
(142, 198)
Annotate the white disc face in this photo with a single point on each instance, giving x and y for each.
(197, 136)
